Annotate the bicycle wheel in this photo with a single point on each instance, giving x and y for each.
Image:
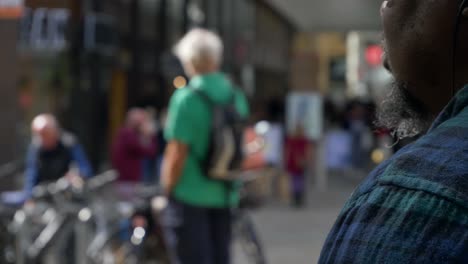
(250, 242)
(7, 245)
(117, 251)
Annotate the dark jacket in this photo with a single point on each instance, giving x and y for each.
(51, 165)
(128, 153)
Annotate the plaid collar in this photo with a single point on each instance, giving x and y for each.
(455, 106)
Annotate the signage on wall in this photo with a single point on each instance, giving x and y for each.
(100, 34)
(306, 110)
(44, 29)
(11, 9)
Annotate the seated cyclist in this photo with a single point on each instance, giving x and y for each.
(53, 154)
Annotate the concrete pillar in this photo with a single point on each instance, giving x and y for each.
(8, 90)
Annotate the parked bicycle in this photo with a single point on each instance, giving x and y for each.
(105, 227)
(245, 231)
(91, 217)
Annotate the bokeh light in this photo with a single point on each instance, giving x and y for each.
(179, 82)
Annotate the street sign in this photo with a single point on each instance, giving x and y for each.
(305, 109)
(44, 29)
(11, 9)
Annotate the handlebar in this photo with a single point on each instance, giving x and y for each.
(47, 190)
(102, 180)
(63, 185)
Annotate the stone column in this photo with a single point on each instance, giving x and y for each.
(8, 91)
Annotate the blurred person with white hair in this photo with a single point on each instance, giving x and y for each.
(199, 210)
(53, 154)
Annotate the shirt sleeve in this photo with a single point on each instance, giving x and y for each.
(179, 122)
(81, 161)
(399, 225)
(137, 147)
(31, 171)
(242, 104)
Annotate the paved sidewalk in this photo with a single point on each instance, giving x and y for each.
(292, 236)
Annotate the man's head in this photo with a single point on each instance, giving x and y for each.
(200, 52)
(419, 41)
(136, 118)
(46, 131)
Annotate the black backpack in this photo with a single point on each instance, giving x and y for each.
(225, 155)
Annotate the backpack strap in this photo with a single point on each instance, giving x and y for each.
(228, 185)
(203, 96)
(202, 163)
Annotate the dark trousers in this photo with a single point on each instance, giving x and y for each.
(196, 235)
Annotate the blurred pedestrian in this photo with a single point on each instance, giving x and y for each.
(275, 136)
(198, 218)
(413, 208)
(298, 153)
(150, 162)
(53, 154)
(134, 142)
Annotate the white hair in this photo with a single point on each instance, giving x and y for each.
(199, 45)
(44, 121)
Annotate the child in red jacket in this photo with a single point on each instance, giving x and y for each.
(298, 151)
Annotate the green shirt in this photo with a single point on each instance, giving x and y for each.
(189, 122)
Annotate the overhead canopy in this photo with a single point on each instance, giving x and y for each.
(331, 15)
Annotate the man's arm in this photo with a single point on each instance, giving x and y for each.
(82, 162)
(174, 161)
(141, 147)
(31, 172)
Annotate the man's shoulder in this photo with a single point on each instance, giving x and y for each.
(399, 224)
(417, 201)
(183, 95)
(405, 201)
(68, 139)
(437, 162)
(185, 99)
(125, 132)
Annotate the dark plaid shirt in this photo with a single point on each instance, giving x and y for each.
(414, 207)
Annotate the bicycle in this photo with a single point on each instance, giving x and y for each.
(243, 226)
(43, 230)
(61, 212)
(91, 216)
(145, 241)
(7, 239)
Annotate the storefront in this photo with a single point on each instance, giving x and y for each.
(89, 61)
(66, 52)
(271, 54)
(8, 94)
(37, 49)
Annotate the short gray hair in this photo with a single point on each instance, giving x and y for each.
(199, 45)
(44, 121)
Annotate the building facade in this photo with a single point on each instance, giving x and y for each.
(89, 61)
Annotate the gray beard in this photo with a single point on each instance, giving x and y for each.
(402, 113)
